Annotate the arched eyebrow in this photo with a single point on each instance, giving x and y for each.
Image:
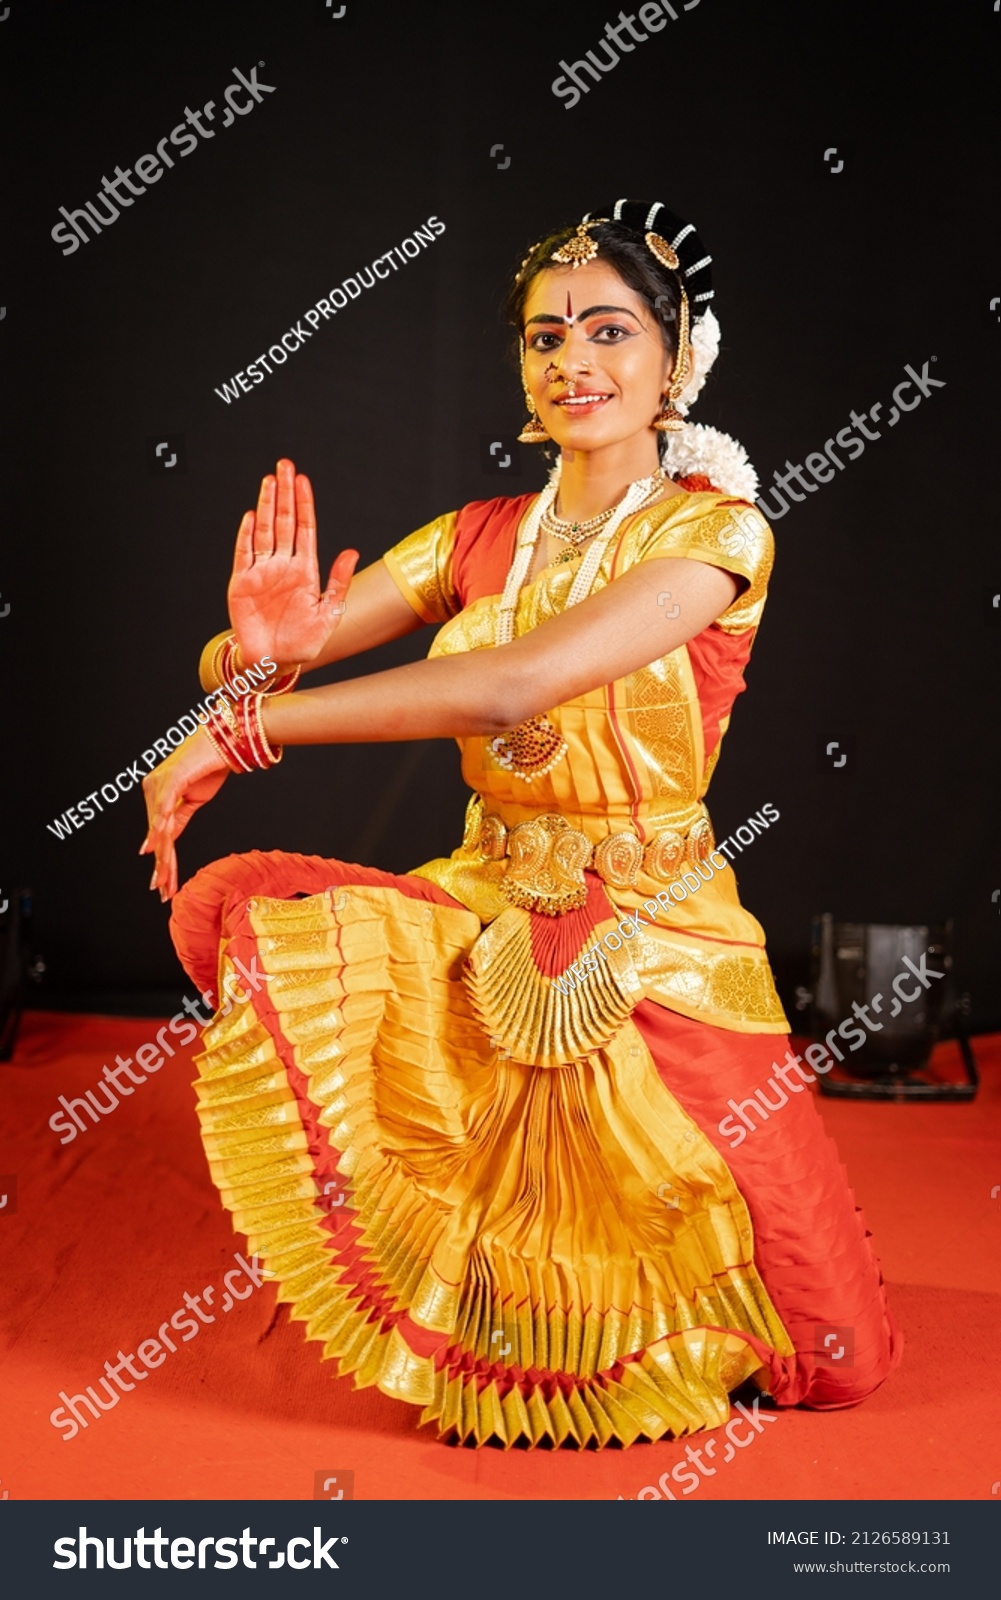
(592, 311)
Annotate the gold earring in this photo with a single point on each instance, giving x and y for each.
(533, 432)
(669, 419)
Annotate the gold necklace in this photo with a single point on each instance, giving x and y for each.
(535, 746)
(577, 532)
(574, 532)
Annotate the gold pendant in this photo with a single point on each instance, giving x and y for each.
(530, 750)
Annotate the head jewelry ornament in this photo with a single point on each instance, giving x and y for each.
(686, 449)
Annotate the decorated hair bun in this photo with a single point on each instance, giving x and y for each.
(694, 260)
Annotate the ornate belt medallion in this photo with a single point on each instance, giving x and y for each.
(547, 856)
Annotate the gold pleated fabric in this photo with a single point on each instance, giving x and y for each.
(525, 1253)
(527, 1015)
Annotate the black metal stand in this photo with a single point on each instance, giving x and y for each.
(850, 963)
(906, 1086)
(17, 964)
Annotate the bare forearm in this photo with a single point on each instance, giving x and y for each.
(374, 613)
(487, 691)
(448, 697)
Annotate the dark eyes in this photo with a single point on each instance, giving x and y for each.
(607, 333)
(544, 341)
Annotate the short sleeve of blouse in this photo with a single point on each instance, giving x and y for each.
(723, 532)
(421, 567)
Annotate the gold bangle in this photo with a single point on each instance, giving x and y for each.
(208, 665)
(212, 676)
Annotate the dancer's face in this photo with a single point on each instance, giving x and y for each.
(585, 324)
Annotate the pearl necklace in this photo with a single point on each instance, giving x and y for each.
(535, 746)
(634, 497)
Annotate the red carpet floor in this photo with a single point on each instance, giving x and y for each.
(112, 1230)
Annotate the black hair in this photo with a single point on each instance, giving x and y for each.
(621, 241)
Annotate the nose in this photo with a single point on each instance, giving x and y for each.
(571, 360)
(573, 356)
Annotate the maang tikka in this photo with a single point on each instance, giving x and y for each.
(580, 248)
(576, 252)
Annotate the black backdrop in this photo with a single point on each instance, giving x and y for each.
(879, 628)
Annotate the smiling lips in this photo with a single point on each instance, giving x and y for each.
(582, 404)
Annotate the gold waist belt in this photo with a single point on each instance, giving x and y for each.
(546, 858)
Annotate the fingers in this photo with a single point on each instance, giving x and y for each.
(285, 509)
(165, 872)
(162, 801)
(173, 793)
(341, 574)
(244, 556)
(169, 888)
(305, 520)
(264, 526)
(160, 839)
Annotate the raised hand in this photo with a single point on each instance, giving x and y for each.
(276, 606)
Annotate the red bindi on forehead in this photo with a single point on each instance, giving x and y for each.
(569, 307)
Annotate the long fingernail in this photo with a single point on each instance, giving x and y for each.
(152, 881)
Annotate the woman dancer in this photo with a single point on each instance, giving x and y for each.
(470, 1117)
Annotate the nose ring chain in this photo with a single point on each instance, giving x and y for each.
(554, 374)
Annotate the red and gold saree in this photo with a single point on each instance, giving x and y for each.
(505, 1198)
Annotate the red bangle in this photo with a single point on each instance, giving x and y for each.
(238, 734)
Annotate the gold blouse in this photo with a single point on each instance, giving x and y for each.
(636, 758)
